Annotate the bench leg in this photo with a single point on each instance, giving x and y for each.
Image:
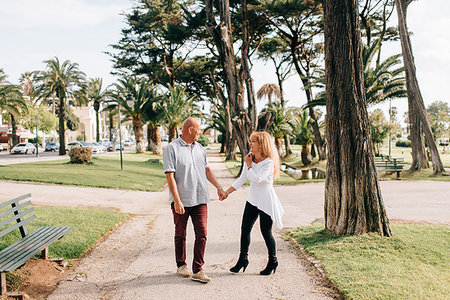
(3, 283)
(44, 253)
(398, 174)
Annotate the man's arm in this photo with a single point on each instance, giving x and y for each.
(212, 178)
(179, 208)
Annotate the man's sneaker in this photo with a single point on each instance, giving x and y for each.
(200, 276)
(183, 271)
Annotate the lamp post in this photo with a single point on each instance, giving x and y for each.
(36, 119)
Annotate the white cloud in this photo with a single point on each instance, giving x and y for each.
(57, 13)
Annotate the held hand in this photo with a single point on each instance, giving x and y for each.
(179, 208)
(222, 195)
(248, 159)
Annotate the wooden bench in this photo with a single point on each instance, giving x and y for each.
(17, 254)
(390, 164)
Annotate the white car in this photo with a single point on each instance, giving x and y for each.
(99, 147)
(24, 148)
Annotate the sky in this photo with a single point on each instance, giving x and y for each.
(33, 31)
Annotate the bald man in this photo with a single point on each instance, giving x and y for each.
(187, 171)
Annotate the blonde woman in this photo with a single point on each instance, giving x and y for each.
(261, 165)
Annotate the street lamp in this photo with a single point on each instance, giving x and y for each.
(36, 119)
(129, 97)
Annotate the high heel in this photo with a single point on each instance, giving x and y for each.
(271, 266)
(242, 263)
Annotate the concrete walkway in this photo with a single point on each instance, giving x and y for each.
(137, 260)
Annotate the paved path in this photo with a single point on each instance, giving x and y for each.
(137, 260)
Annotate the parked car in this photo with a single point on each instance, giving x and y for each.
(127, 143)
(1, 147)
(107, 145)
(24, 148)
(100, 147)
(52, 146)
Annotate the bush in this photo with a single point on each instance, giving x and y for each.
(220, 138)
(403, 144)
(203, 140)
(80, 155)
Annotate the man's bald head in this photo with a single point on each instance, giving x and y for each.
(191, 130)
(190, 122)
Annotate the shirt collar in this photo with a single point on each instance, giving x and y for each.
(183, 142)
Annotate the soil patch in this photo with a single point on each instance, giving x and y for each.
(37, 278)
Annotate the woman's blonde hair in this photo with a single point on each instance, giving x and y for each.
(268, 148)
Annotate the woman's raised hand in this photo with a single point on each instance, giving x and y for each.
(248, 159)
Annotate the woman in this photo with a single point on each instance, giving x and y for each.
(261, 165)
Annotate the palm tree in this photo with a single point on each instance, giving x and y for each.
(143, 93)
(217, 122)
(269, 90)
(62, 80)
(382, 82)
(94, 93)
(280, 123)
(153, 117)
(176, 107)
(27, 80)
(11, 101)
(303, 133)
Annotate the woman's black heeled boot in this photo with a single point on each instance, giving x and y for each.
(241, 263)
(271, 266)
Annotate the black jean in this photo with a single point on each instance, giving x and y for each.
(251, 213)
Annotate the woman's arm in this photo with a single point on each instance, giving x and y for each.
(242, 179)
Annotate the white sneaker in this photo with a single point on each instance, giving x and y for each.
(183, 271)
(200, 276)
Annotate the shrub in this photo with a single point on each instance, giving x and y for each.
(80, 155)
(403, 144)
(220, 138)
(203, 140)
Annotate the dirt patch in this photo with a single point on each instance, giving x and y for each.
(37, 278)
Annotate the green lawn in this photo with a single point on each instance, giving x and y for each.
(104, 171)
(406, 154)
(88, 225)
(414, 264)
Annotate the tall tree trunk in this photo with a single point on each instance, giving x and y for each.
(97, 125)
(14, 139)
(139, 135)
(353, 201)
(419, 156)
(287, 142)
(307, 86)
(154, 139)
(172, 133)
(246, 67)
(111, 125)
(221, 33)
(61, 128)
(412, 86)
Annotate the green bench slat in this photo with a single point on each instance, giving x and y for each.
(15, 217)
(11, 210)
(17, 225)
(3, 204)
(29, 246)
(27, 242)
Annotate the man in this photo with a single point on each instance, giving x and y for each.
(187, 171)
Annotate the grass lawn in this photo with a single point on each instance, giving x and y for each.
(87, 226)
(104, 172)
(406, 154)
(414, 264)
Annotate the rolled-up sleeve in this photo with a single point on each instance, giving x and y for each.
(169, 159)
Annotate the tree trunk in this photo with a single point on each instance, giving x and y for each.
(419, 156)
(246, 66)
(307, 86)
(61, 128)
(14, 139)
(97, 124)
(111, 127)
(172, 133)
(412, 86)
(221, 33)
(287, 145)
(306, 156)
(139, 135)
(154, 139)
(353, 201)
(279, 145)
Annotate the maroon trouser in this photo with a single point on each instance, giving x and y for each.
(198, 214)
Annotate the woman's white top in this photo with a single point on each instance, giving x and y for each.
(262, 195)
